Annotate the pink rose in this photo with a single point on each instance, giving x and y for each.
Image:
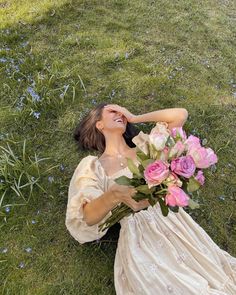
(192, 141)
(178, 131)
(172, 179)
(156, 172)
(200, 177)
(184, 166)
(203, 157)
(176, 197)
(177, 150)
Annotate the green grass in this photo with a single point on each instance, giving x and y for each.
(144, 55)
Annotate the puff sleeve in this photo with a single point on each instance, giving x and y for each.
(86, 184)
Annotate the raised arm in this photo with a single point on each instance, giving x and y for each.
(174, 117)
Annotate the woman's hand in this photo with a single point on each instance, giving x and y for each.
(124, 193)
(129, 116)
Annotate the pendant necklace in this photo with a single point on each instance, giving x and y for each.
(119, 156)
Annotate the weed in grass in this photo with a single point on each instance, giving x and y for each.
(20, 174)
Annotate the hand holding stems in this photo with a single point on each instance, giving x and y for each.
(125, 194)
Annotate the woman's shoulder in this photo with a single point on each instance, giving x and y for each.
(88, 165)
(88, 158)
(87, 161)
(86, 172)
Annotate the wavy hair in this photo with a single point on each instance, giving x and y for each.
(88, 137)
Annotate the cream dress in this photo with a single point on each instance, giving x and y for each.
(155, 255)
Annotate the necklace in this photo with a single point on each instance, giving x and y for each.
(119, 156)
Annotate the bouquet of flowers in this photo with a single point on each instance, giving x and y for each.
(169, 170)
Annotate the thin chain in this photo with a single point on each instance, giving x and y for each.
(119, 157)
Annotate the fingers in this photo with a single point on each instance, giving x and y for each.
(111, 105)
(115, 106)
(125, 195)
(134, 205)
(142, 204)
(133, 191)
(137, 205)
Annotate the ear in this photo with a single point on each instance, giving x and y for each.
(99, 124)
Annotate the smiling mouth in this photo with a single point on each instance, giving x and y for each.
(120, 121)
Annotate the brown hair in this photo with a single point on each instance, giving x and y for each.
(88, 136)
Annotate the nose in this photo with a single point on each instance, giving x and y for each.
(119, 113)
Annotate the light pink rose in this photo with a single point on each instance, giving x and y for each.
(200, 177)
(172, 179)
(178, 131)
(156, 172)
(192, 141)
(158, 140)
(176, 197)
(177, 150)
(203, 157)
(165, 154)
(162, 128)
(184, 166)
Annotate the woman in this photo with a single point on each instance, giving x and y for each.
(155, 254)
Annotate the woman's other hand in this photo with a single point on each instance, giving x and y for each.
(115, 107)
(123, 193)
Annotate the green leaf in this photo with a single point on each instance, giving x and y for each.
(164, 207)
(152, 200)
(141, 156)
(147, 162)
(170, 141)
(144, 189)
(133, 168)
(193, 185)
(135, 181)
(174, 209)
(154, 153)
(192, 204)
(141, 168)
(178, 137)
(184, 185)
(139, 196)
(123, 180)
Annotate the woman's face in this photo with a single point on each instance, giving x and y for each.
(112, 119)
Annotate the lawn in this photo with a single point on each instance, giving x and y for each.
(58, 59)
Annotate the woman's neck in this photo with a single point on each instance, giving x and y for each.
(116, 145)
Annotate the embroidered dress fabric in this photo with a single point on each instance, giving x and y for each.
(155, 255)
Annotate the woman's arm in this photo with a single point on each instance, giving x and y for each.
(174, 117)
(97, 209)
